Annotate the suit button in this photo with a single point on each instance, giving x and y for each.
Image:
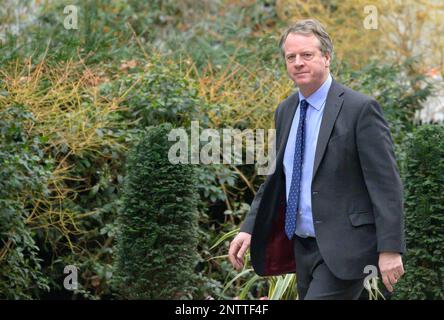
(318, 221)
(315, 193)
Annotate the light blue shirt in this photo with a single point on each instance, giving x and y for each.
(304, 218)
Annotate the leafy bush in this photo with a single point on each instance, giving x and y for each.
(424, 205)
(158, 93)
(23, 173)
(83, 148)
(157, 239)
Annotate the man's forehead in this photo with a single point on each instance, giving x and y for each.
(301, 42)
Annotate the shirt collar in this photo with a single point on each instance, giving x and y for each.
(317, 99)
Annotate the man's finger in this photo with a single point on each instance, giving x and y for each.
(234, 247)
(234, 262)
(240, 254)
(392, 277)
(239, 264)
(387, 283)
(400, 270)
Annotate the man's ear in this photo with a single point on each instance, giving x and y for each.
(327, 59)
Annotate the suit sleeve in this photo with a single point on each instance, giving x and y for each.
(248, 224)
(379, 168)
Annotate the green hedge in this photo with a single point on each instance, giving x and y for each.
(424, 205)
(158, 232)
(22, 172)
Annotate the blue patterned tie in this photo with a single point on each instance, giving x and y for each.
(293, 198)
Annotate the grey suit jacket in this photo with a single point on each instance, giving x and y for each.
(357, 200)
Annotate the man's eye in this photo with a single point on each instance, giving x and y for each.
(308, 55)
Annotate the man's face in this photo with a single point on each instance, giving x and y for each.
(306, 65)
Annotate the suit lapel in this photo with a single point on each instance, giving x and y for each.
(332, 107)
(286, 125)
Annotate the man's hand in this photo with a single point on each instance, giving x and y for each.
(238, 246)
(390, 265)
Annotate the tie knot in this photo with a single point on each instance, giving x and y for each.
(304, 104)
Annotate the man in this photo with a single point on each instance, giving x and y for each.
(334, 203)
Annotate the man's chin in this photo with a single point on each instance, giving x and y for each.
(301, 82)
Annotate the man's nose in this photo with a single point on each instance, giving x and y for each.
(299, 62)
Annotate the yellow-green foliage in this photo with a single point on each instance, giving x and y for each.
(246, 97)
(73, 120)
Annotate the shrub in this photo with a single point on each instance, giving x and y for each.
(23, 174)
(424, 205)
(78, 134)
(159, 93)
(156, 249)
